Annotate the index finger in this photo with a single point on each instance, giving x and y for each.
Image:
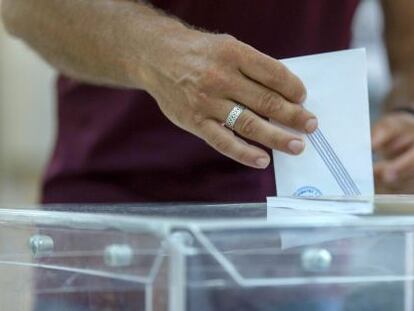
(400, 168)
(272, 74)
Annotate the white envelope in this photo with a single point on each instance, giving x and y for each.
(337, 159)
(338, 205)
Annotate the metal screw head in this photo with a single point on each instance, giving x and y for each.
(41, 245)
(118, 255)
(316, 260)
(184, 237)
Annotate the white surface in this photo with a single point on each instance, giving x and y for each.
(337, 205)
(337, 94)
(339, 208)
(367, 33)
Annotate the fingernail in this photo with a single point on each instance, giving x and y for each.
(296, 146)
(311, 125)
(390, 176)
(262, 162)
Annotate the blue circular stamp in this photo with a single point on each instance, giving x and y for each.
(307, 191)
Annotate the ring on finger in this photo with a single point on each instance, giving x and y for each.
(233, 115)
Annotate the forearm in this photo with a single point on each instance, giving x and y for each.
(112, 42)
(399, 40)
(196, 78)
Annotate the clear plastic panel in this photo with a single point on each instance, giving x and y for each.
(202, 258)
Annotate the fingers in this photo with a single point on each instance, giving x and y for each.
(225, 142)
(397, 146)
(393, 135)
(401, 168)
(379, 168)
(270, 104)
(253, 127)
(393, 140)
(382, 133)
(385, 186)
(272, 74)
(389, 128)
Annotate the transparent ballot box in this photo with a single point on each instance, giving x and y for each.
(206, 257)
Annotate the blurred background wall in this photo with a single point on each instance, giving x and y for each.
(27, 124)
(26, 119)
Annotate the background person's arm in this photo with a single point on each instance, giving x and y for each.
(393, 134)
(195, 77)
(399, 40)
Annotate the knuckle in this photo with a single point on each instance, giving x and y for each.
(211, 75)
(220, 143)
(293, 86)
(269, 105)
(282, 74)
(227, 48)
(298, 91)
(227, 37)
(271, 81)
(295, 118)
(200, 100)
(292, 92)
(248, 126)
(211, 80)
(198, 103)
(198, 119)
(227, 41)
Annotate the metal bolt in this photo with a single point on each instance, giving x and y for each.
(316, 260)
(118, 255)
(41, 245)
(184, 237)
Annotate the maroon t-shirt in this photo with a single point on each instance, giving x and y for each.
(116, 146)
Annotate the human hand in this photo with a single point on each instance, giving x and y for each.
(198, 79)
(393, 141)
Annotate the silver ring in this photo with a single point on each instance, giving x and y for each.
(233, 116)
